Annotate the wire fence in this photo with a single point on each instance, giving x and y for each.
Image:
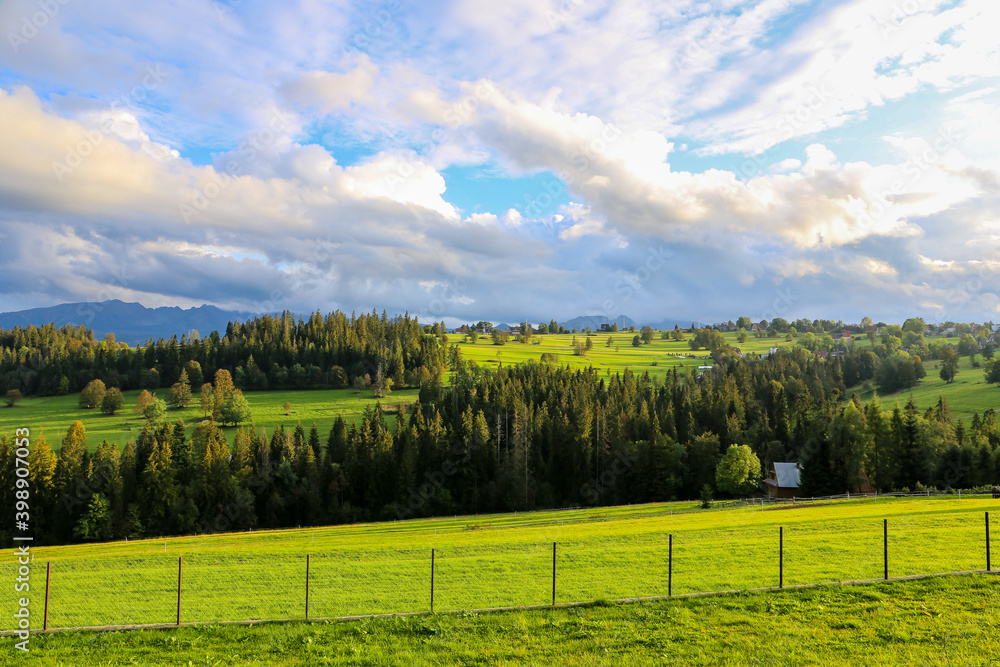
(232, 586)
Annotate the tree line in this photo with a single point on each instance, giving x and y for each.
(512, 438)
(267, 352)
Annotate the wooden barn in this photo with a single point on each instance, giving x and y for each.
(783, 480)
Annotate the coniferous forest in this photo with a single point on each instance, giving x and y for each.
(517, 437)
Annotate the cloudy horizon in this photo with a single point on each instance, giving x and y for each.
(541, 160)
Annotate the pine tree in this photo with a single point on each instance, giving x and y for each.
(45, 508)
(913, 468)
(180, 392)
(159, 490)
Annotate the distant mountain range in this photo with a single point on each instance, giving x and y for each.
(131, 323)
(624, 322)
(595, 322)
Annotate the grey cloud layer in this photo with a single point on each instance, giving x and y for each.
(594, 92)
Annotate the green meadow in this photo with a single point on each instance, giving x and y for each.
(664, 354)
(967, 394)
(51, 416)
(499, 560)
(942, 621)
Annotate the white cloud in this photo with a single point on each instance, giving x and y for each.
(611, 96)
(857, 56)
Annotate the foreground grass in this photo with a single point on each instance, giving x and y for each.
(942, 621)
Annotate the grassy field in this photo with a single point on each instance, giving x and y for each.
(51, 416)
(500, 560)
(666, 354)
(967, 394)
(944, 621)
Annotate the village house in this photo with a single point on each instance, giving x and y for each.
(783, 480)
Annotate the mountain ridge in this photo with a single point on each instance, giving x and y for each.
(130, 322)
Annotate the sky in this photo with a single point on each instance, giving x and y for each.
(465, 160)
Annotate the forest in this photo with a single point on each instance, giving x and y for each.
(265, 352)
(515, 437)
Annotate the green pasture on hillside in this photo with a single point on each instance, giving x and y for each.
(967, 394)
(500, 560)
(52, 416)
(665, 354)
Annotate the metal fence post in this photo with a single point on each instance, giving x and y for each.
(432, 581)
(885, 546)
(553, 574)
(670, 565)
(180, 570)
(48, 577)
(307, 587)
(988, 568)
(781, 556)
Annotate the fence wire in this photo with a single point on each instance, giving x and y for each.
(241, 585)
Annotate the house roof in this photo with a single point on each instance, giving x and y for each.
(787, 475)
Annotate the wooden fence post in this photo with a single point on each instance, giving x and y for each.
(432, 581)
(885, 546)
(781, 556)
(553, 574)
(670, 565)
(48, 577)
(180, 570)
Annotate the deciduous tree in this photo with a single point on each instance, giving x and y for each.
(12, 397)
(92, 394)
(738, 472)
(113, 401)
